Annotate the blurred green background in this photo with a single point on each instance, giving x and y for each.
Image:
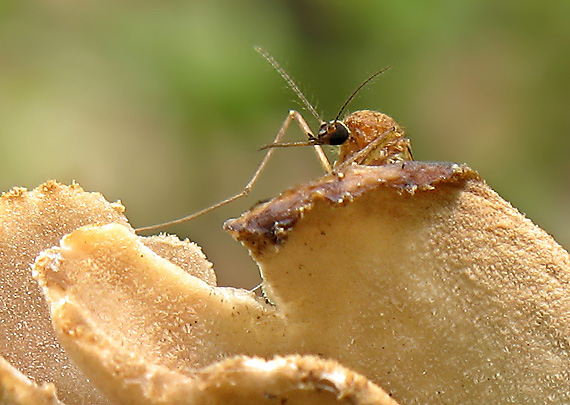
(163, 104)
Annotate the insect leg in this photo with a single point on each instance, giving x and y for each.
(323, 160)
(358, 156)
(293, 115)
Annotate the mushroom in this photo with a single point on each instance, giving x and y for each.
(32, 372)
(422, 278)
(414, 277)
(33, 364)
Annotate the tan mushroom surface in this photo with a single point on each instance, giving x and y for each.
(414, 276)
(31, 221)
(152, 335)
(422, 278)
(36, 367)
(16, 388)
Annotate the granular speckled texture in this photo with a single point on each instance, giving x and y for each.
(414, 277)
(31, 221)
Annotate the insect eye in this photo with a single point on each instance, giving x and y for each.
(333, 133)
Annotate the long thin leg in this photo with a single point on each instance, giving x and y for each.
(293, 115)
(323, 160)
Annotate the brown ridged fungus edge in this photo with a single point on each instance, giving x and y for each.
(268, 224)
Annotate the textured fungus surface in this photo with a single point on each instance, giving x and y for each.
(30, 221)
(414, 277)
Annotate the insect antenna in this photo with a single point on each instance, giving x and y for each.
(364, 83)
(290, 82)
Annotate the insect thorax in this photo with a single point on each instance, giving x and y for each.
(365, 127)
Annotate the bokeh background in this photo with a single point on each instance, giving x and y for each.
(163, 104)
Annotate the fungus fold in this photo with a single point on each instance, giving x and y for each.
(409, 282)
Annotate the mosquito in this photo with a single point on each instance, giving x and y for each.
(364, 137)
